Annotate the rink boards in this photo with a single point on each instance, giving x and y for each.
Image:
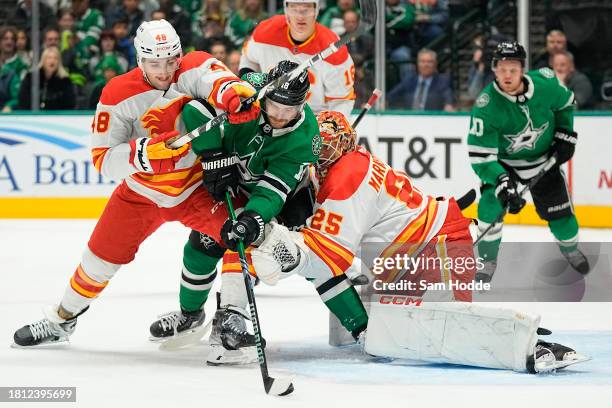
(46, 169)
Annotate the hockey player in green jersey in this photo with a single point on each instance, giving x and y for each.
(265, 159)
(517, 123)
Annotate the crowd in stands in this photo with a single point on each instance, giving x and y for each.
(85, 43)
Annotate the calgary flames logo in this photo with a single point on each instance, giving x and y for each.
(159, 120)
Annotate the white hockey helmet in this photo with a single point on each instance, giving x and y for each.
(156, 39)
(316, 2)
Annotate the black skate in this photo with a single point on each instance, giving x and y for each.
(552, 356)
(230, 341)
(486, 274)
(578, 261)
(44, 331)
(176, 323)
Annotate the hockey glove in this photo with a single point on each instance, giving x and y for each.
(220, 173)
(508, 195)
(249, 227)
(231, 95)
(564, 144)
(151, 155)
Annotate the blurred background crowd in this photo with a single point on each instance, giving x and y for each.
(438, 51)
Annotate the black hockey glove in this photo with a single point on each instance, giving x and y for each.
(220, 172)
(564, 144)
(249, 227)
(508, 195)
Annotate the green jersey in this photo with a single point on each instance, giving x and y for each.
(240, 26)
(14, 69)
(517, 131)
(271, 161)
(88, 29)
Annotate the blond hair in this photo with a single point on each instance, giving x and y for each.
(61, 71)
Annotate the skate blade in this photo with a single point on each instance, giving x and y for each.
(550, 366)
(49, 344)
(219, 355)
(186, 339)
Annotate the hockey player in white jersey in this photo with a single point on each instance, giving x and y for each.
(137, 114)
(362, 201)
(296, 36)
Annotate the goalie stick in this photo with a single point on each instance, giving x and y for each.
(368, 18)
(534, 180)
(274, 386)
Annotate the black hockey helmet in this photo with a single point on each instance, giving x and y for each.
(292, 93)
(509, 50)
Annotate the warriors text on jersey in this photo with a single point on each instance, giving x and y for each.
(271, 161)
(517, 131)
(331, 80)
(130, 108)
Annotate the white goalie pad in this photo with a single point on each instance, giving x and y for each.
(453, 332)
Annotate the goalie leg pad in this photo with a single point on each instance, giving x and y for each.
(453, 332)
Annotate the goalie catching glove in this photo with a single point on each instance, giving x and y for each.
(248, 227)
(152, 155)
(220, 173)
(277, 257)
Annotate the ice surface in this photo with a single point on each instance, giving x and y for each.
(111, 361)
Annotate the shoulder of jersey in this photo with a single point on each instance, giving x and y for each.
(543, 77)
(273, 31)
(305, 141)
(193, 59)
(345, 176)
(485, 99)
(123, 87)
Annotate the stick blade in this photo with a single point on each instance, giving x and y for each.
(278, 386)
(467, 199)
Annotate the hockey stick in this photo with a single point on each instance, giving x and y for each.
(534, 180)
(274, 386)
(375, 95)
(368, 18)
(467, 199)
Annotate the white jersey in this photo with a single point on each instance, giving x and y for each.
(131, 108)
(363, 200)
(331, 80)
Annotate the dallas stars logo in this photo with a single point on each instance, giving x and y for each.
(526, 138)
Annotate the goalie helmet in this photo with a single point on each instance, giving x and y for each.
(509, 50)
(292, 93)
(337, 138)
(156, 39)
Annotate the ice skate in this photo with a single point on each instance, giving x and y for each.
(50, 330)
(578, 261)
(230, 341)
(176, 324)
(549, 357)
(486, 274)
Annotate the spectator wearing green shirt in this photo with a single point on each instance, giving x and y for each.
(12, 69)
(333, 17)
(399, 19)
(242, 22)
(88, 26)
